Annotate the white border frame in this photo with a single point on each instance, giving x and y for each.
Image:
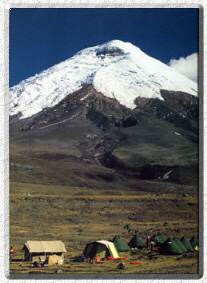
(5, 5)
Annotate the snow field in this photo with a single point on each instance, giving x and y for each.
(117, 69)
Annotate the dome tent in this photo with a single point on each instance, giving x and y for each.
(186, 243)
(136, 242)
(180, 245)
(170, 247)
(120, 244)
(101, 249)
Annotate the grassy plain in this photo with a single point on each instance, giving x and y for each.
(55, 196)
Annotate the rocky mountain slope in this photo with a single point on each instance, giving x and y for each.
(117, 108)
(157, 140)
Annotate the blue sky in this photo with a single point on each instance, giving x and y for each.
(40, 38)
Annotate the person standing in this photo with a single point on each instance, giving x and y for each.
(11, 253)
(152, 244)
(148, 242)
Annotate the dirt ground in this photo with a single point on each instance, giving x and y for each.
(79, 219)
(58, 197)
(149, 263)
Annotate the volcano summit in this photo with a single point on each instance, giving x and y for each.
(117, 69)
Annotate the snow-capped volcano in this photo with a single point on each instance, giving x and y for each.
(117, 69)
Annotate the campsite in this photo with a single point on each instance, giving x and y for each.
(45, 206)
(157, 264)
(78, 218)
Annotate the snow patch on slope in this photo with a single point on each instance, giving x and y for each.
(117, 69)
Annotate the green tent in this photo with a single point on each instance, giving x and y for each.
(194, 241)
(101, 249)
(187, 244)
(120, 244)
(136, 242)
(162, 237)
(170, 247)
(158, 239)
(180, 245)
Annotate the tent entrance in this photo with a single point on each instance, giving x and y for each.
(101, 251)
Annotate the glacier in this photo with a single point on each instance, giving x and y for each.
(117, 69)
